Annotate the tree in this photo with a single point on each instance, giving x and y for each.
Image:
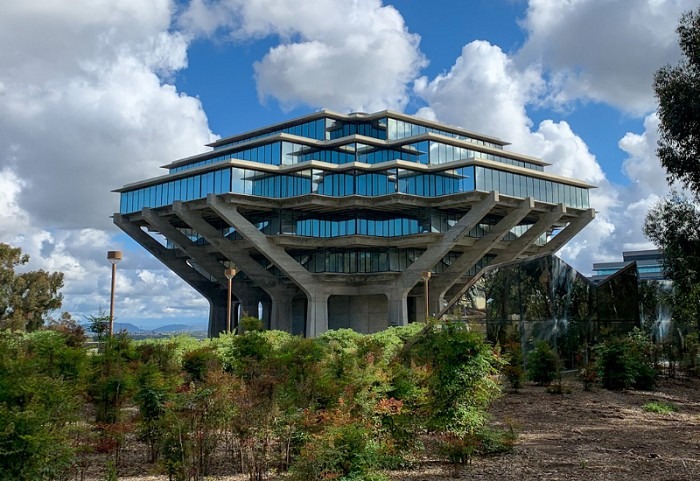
(679, 108)
(672, 223)
(26, 298)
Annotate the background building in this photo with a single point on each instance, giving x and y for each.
(358, 220)
(648, 263)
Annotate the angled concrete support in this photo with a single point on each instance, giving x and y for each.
(449, 240)
(480, 248)
(186, 245)
(215, 295)
(397, 293)
(522, 243)
(266, 246)
(317, 307)
(508, 256)
(566, 234)
(243, 261)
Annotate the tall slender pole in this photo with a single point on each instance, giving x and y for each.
(111, 300)
(426, 277)
(113, 257)
(230, 273)
(228, 308)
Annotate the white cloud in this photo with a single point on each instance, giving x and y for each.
(602, 50)
(85, 107)
(335, 54)
(484, 92)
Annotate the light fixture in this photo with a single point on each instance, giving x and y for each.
(230, 273)
(426, 275)
(113, 257)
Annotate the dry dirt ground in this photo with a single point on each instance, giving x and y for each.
(583, 435)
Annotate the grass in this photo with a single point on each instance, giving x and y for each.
(660, 407)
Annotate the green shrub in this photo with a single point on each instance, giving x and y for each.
(344, 449)
(198, 363)
(542, 364)
(660, 407)
(39, 405)
(462, 378)
(624, 362)
(513, 371)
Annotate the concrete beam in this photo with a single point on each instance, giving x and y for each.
(273, 252)
(208, 263)
(522, 243)
(480, 248)
(566, 234)
(316, 293)
(239, 257)
(213, 293)
(440, 248)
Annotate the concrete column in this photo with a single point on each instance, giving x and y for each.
(317, 313)
(266, 314)
(217, 313)
(281, 310)
(398, 308)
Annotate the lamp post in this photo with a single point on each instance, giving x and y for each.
(229, 273)
(113, 257)
(426, 277)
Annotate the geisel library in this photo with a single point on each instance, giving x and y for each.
(334, 220)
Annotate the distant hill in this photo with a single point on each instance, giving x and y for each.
(126, 326)
(196, 329)
(173, 328)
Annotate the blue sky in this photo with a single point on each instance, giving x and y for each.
(94, 95)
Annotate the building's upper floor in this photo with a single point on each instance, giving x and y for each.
(333, 154)
(650, 265)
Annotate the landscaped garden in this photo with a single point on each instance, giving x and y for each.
(429, 401)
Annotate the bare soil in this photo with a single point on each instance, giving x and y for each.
(580, 435)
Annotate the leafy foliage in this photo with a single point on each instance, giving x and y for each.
(679, 108)
(542, 364)
(26, 298)
(36, 413)
(343, 406)
(626, 361)
(660, 407)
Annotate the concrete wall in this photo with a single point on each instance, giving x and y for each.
(364, 314)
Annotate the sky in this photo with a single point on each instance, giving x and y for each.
(95, 94)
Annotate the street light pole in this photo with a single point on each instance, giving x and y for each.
(426, 275)
(113, 257)
(229, 273)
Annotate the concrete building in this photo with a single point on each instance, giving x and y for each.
(648, 263)
(335, 220)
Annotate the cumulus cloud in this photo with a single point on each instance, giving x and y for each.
(486, 90)
(347, 56)
(483, 91)
(602, 50)
(85, 107)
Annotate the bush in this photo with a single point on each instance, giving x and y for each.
(542, 364)
(659, 407)
(513, 371)
(625, 362)
(39, 402)
(344, 450)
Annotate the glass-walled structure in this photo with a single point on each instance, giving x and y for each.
(352, 195)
